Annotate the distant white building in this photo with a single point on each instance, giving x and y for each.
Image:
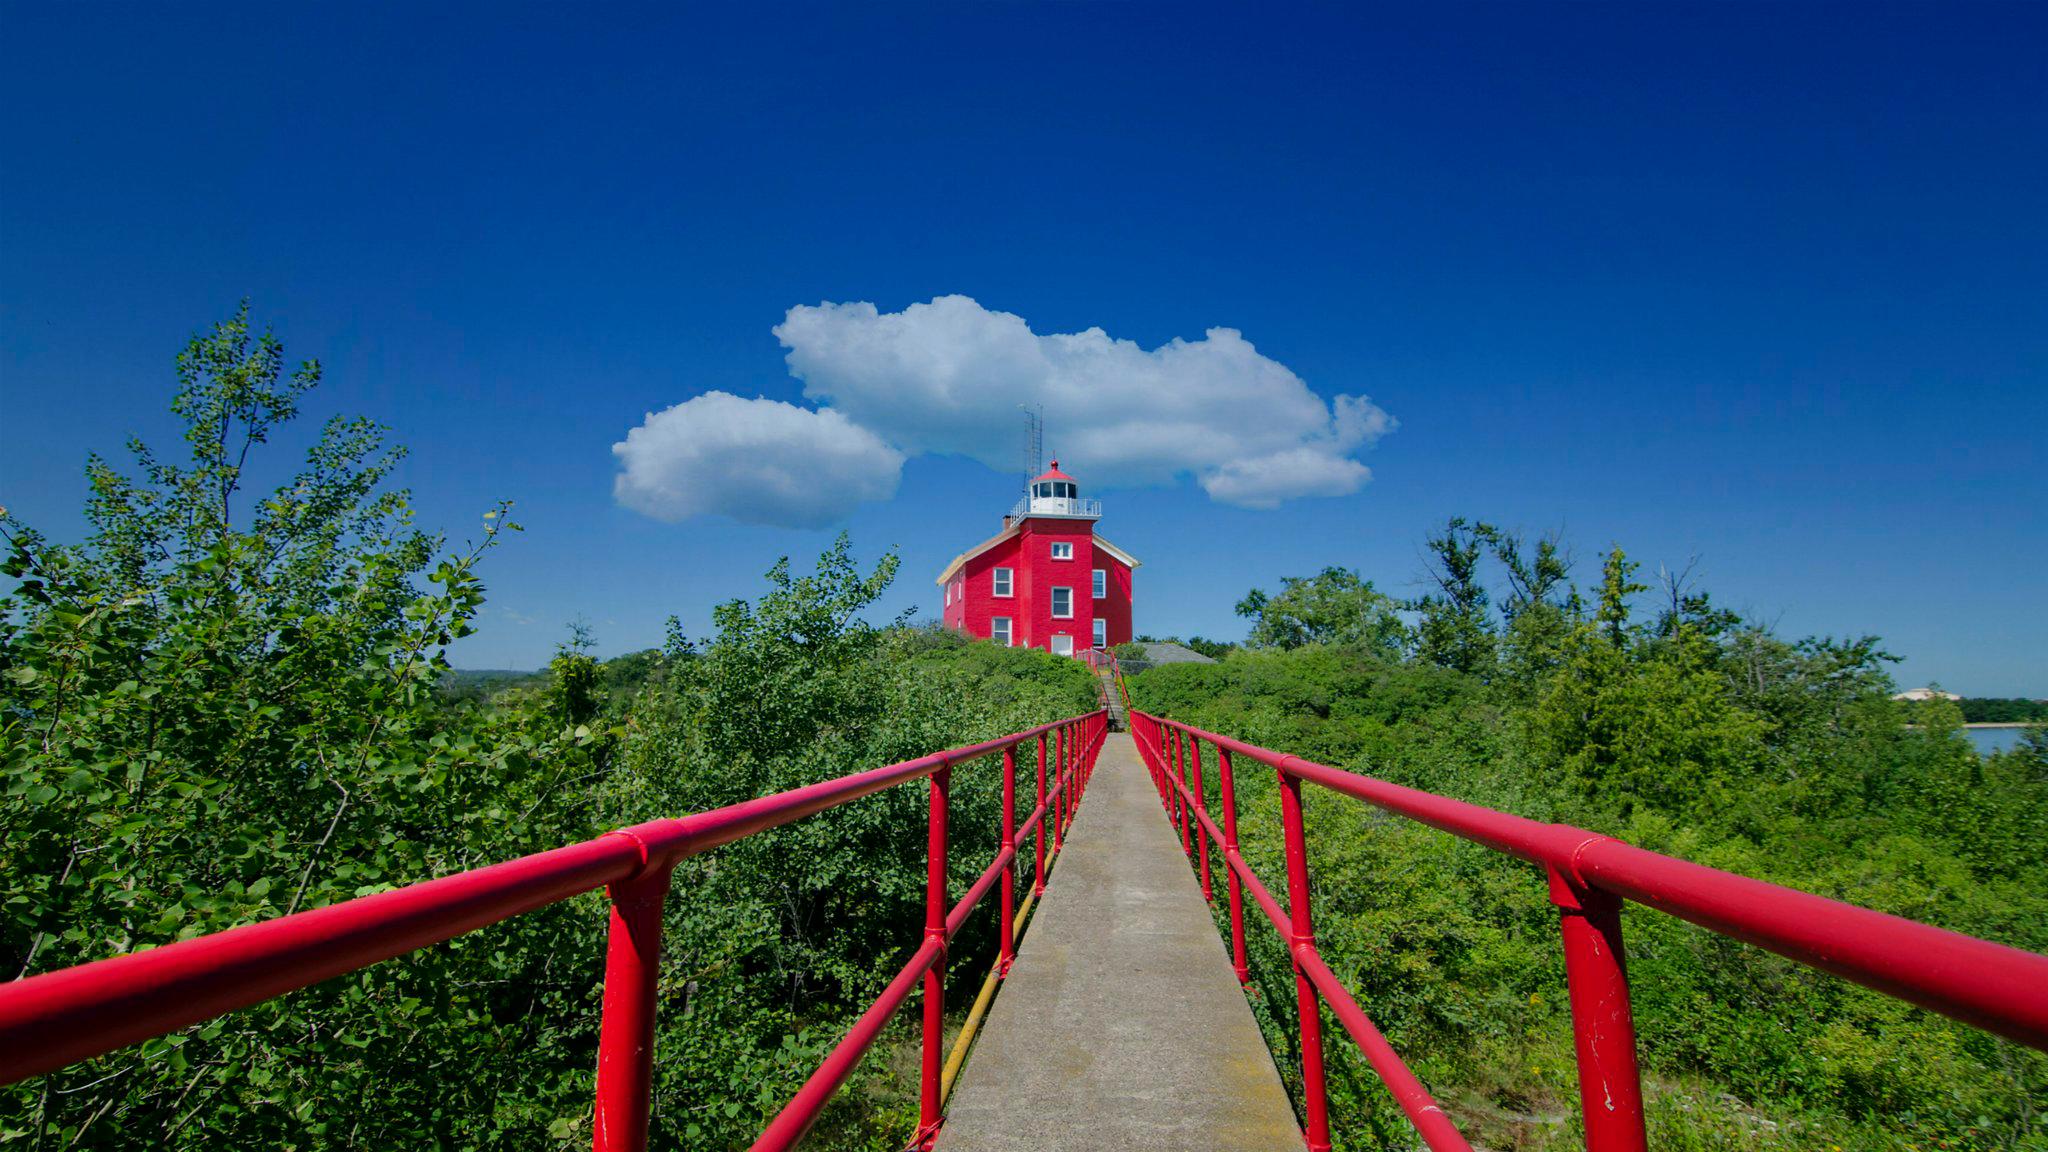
(1925, 694)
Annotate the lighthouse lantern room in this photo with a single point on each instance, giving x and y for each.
(1046, 580)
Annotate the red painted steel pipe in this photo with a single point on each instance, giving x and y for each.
(1421, 1108)
(1238, 962)
(1202, 806)
(1603, 1029)
(1059, 788)
(1302, 938)
(1996, 988)
(935, 910)
(61, 1017)
(1038, 827)
(802, 1111)
(1180, 793)
(956, 917)
(625, 1049)
(1006, 950)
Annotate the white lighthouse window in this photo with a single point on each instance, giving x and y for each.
(1101, 632)
(999, 630)
(1062, 550)
(1063, 603)
(1101, 583)
(1001, 582)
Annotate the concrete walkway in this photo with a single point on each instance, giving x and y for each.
(1121, 1026)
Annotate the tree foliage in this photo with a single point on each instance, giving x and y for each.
(1700, 735)
(1335, 606)
(222, 707)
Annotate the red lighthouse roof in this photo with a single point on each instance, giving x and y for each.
(1054, 473)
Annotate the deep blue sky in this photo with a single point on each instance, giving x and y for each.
(1766, 284)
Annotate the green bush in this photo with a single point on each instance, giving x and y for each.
(1699, 736)
(219, 709)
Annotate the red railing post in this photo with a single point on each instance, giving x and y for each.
(625, 1046)
(1038, 841)
(1237, 957)
(1008, 952)
(1202, 804)
(1596, 969)
(935, 908)
(1059, 791)
(1314, 1095)
(1180, 795)
(1066, 776)
(1152, 760)
(1159, 766)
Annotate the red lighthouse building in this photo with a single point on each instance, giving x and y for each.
(1046, 580)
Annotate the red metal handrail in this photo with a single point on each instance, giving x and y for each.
(57, 1018)
(2000, 989)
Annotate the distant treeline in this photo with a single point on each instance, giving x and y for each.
(2003, 710)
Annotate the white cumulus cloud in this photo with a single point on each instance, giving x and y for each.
(947, 376)
(758, 461)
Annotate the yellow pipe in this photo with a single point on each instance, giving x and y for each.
(958, 1056)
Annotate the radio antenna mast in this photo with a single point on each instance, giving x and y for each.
(1034, 444)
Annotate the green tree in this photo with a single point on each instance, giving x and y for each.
(1540, 607)
(1456, 628)
(1617, 584)
(576, 681)
(1335, 606)
(220, 708)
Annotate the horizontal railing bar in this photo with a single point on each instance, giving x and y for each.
(802, 1111)
(674, 839)
(956, 919)
(2000, 989)
(1531, 840)
(1421, 1108)
(1260, 895)
(57, 1018)
(1991, 986)
(72, 1014)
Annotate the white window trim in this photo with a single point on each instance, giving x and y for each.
(1101, 632)
(1054, 601)
(1008, 629)
(1059, 546)
(1053, 645)
(1002, 583)
(1101, 585)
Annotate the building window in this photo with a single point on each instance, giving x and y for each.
(1062, 550)
(1063, 645)
(1101, 583)
(1101, 632)
(1002, 582)
(999, 631)
(1063, 603)
(949, 593)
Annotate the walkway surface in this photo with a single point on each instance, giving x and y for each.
(1121, 1026)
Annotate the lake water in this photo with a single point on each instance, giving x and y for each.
(1989, 740)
